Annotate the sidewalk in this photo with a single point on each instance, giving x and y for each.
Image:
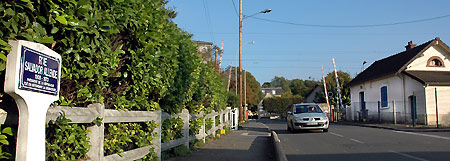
(398, 127)
(252, 142)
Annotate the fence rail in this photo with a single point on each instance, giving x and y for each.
(94, 111)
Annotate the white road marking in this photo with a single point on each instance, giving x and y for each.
(332, 133)
(266, 126)
(246, 134)
(409, 156)
(427, 135)
(357, 141)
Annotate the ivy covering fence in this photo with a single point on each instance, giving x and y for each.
(127, 54)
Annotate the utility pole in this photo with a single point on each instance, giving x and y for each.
(245, 93)
(240, 62)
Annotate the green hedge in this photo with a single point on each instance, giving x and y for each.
(127, 54)
(279, 104)
(195, 125)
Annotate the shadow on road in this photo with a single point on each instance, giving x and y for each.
(255, 129)
(231, 148)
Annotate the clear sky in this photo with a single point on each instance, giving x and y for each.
(293, 50)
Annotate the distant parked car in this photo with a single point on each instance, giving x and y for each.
(306, 116)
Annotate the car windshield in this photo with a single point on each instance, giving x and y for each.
(307, 109)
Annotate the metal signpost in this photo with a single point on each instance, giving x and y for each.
(33, 73)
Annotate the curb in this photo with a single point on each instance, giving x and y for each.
(279, 153)
(394, 128)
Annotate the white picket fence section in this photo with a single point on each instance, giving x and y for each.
(93, 111)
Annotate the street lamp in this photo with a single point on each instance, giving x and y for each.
(240, 56)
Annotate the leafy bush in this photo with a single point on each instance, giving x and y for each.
(66, 141)
(279, 104)
(127, 54)
(121, 137)
(171, 129)
(182, 151)
(227, 129)
(208, 124)
(4, 141)
(195, 126)
(217, 119)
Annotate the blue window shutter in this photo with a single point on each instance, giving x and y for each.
(384, 96)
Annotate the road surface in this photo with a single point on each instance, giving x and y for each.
(344, 142)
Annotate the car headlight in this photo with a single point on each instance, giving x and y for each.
(295, 118)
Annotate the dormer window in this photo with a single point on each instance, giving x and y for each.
(435, 62)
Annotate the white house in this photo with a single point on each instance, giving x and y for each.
(412, 80)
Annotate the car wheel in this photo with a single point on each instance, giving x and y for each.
(325, 130)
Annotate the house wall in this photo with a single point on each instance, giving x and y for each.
(421, 62)
(372, 94)
(443, 93)
(413, 87)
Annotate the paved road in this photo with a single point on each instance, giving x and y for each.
(252, 142)
(344, 142)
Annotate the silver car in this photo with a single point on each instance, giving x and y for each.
(305, 116)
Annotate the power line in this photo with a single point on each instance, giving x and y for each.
(235, 10)
(208, 20)
(278, 67)
(352, 26)
(311, 33)
(287, 60)
(313, 53)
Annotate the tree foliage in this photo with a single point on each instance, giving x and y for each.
(297, 87)
(127, 54)
(254, 94)
(279, 105)
(330, 79)
(281, 82)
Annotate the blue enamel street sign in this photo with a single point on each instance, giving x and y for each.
(38, 72)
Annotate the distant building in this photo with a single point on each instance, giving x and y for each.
(273, 91)
(204, 49)
(409, 83)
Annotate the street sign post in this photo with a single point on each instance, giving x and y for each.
(33, 73)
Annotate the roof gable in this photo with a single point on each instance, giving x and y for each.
(393, 64)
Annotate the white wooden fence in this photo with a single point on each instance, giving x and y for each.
(93, 111)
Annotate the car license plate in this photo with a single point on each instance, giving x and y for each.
(312, 123)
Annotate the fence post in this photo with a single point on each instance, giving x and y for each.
(185, 116)
(214, 123)
(96, 136)
(158, 130)
(221, 120)
(203, 129)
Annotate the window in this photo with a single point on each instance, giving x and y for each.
(435, 61)
(273, 92)
(307, 109)
(384, 96)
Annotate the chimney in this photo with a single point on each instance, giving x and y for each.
(410, 45)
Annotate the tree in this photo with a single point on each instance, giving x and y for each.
(281, 82)
(279, 105)
(253, 90)
(344, 79)
(267, 85)
(298, 87)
